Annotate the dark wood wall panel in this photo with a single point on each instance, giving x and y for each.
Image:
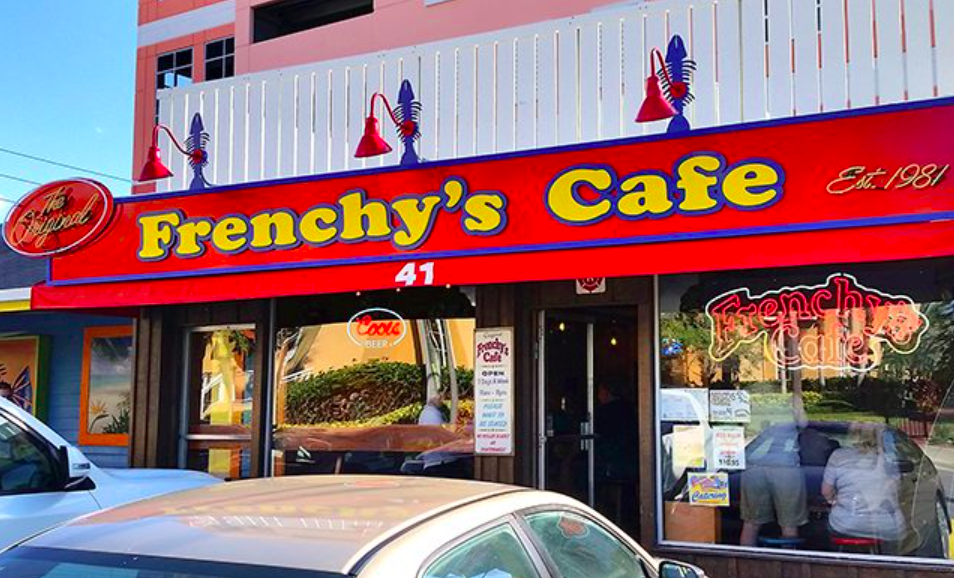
(154, 421)
(646, 399)
(496, 306)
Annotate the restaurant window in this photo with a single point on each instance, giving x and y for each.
(809, 409)
(285, 17)
(219, 391)
(220, 59)
(381, 384)
(174, 69)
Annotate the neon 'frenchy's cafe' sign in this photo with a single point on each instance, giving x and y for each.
(838, 325)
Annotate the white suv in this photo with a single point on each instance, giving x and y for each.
(44, 480)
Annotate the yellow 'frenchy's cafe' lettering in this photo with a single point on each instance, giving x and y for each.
(700, 184)
(406, 221)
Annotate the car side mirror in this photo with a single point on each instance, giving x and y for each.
(673, 569)
(75, 467)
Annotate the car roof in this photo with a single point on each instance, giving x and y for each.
(409, 554)
(317, 523)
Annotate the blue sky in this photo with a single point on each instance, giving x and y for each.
(66, 89)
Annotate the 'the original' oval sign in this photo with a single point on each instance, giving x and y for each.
(58, 217)
(377, 328)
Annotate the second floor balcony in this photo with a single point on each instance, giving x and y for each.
(572, 80)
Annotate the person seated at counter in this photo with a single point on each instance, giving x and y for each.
(862, 488)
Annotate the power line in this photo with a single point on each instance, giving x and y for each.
(20, 179)
(63, 165)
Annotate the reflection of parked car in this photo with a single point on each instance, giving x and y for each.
(45, 481)
(452, 460)
(340, 527)
(921, 493)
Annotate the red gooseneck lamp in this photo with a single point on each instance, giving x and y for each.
(371, 144)
(154, 169)
(656, 106)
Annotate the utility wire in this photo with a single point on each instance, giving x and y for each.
(20, 179)
(63, 165)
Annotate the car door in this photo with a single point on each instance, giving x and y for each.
(574, 545)
(31, 484)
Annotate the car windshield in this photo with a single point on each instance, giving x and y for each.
(27, 562)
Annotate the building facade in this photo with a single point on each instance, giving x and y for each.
(727, 329)
(73, 370)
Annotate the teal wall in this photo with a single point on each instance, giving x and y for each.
(65, 333)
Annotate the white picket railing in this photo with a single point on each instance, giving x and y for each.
(573, 80)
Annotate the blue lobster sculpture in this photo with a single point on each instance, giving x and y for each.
(408, 113)
(198, 155)
(680, 68)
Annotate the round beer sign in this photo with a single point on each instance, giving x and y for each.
(377, 328)
(58, 217)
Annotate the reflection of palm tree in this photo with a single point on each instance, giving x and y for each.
(113, 349)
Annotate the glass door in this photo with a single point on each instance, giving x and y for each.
(219, 386)
(567, 382)
(588, 420)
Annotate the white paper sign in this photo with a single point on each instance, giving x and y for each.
(730, 405)
(685, 404)
(688, 446)
(728, 447)
(493, 391)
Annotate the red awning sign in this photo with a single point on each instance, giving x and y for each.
(820, 189)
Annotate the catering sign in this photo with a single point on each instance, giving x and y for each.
(58, 217)
(758, 195)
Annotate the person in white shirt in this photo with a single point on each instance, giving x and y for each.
(432, 414)
(862, 488)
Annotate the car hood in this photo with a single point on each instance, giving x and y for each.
(115, 487)
(147, 475)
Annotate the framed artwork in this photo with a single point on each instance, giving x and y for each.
(106, 386)
(23, 362)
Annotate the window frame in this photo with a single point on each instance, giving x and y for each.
(267, 13)
(223, 58)
(625, 540)
(694, 548)
(510, 520)
(48, 450)
(174, 53)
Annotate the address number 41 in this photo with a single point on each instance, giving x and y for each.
(408, 274)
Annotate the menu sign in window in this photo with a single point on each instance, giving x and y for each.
(493, 391)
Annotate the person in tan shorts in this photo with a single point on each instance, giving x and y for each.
(773, 493)
(773, 486)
